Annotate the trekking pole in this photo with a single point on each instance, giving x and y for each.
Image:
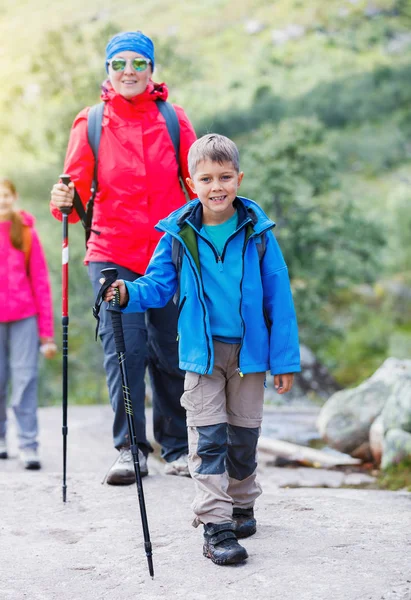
(65, 321)
(110, 275)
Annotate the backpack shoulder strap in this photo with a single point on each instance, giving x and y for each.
(177, 259)
(261, 245)
(27, 242)
(94, 122)
(169, 113)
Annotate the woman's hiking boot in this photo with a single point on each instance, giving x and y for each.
(3, 448)
(221, 545)
(122, 471)
(244, 522)
(30, 459)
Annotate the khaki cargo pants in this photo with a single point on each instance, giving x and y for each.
(224, 414)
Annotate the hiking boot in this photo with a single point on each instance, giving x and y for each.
(244, 522)
(30, 459)
(122, 472)
(3, 448)
(178, 466)
(220, 544)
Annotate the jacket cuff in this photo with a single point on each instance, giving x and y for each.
(281, 370)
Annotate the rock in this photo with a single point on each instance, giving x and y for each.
(396, 413)
(345, 419)
(396, 447)
(377, 439)
(363, 452)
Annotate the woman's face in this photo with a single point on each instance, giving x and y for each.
(7, 200)
(129, 82)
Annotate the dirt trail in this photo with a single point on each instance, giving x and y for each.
(312, 544)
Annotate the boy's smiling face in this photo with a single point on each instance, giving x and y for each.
(216, 186)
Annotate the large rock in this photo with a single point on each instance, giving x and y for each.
(377, 439)
(396, 447)
(396, 413)
(345, 419)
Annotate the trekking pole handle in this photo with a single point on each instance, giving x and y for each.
(64, 178)
(110, 275)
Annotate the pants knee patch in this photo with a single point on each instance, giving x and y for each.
(242, 448)
(212, 449)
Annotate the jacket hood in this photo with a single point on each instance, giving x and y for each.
(154, 91)
(28, 219)
(247, 209)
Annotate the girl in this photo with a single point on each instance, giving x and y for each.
(26, 320)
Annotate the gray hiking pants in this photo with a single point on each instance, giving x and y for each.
(19, 345)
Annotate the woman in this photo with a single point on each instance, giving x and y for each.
(26, 321)
(138, 184)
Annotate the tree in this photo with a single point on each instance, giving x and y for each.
(327, 244)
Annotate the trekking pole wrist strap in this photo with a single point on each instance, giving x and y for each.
(99, 299)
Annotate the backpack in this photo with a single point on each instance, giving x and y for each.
(94, 122)
(177, 252)
(27, 241)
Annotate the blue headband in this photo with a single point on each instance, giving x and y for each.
(132, 41)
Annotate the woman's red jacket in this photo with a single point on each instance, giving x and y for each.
(137, 175)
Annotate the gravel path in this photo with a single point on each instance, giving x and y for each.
(312, 543)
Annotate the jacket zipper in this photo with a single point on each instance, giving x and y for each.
(199, 286)
(180, 308)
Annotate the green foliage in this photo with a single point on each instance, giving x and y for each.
(328, 246)
(324, 127)
(396, 477)
(66, 75)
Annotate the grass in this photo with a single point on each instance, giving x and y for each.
(396, 477)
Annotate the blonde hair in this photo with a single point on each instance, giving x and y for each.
(16, 229)
(214, 147)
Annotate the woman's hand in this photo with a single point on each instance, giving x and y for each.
(62, 195)
(283, 383)
(110, 293)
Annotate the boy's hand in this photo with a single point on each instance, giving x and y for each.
(283, 383)
(109, 295)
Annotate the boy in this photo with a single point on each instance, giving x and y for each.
(236, 321)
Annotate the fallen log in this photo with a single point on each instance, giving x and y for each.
(304, 455)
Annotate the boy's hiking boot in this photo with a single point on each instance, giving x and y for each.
(178, 466)
(3, 448)
(122, 471)
(220, 544)
(244, 522)
(30, 459)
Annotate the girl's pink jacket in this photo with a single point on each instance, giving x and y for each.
(25, 294)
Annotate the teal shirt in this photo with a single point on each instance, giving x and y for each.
(218, 234)
(225, 319)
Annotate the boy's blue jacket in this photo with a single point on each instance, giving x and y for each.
(270, 336)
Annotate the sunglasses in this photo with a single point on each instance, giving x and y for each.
(138, 64)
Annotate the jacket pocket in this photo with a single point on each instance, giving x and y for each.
(180, 308)
(192, 399)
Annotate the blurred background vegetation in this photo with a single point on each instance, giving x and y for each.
(318, 97)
